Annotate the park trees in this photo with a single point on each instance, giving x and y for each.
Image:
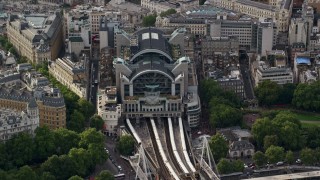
(105, 175)
(226, 166)
(259, 158)
(304, 96)
(284, 129)
(307, 156)
(275, 154)
(168, 12)
(289, 157)
(96, 122)
(125, 145)
(219, 147)
(267, 93)
(44, 143)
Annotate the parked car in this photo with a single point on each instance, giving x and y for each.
(280, 163)
(298, 161)
(119, 168)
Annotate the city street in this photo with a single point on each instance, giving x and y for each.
(94, 75)
(245, 72)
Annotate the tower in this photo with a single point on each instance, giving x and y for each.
(33, 112)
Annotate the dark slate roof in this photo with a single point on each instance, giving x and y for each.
(9, 78)
(159, 43)
(75, 39)
(15, 95)
(54, 102)
(32, 103)
(241, 145)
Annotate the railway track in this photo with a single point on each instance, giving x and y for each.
(169, 147)
(163, 171)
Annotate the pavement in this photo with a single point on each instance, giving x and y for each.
(245, 72)
(94, 75)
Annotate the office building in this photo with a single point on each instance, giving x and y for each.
(37, 37)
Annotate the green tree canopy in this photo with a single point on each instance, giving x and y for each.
(267, 93)
(105, 175)
(26, 172)
(91, 136)
(275, 154)
(76, 177)
(20, 149)
(149, 20)
(77, 121)
(82, 160)
(219, 147)
(270, 140)
(44, 143)
(304, 96)
(224, 166)
(65, 140)
(259, 158)
(86, 108)
(222, 115)
(96, 122)
(289, 157)
(307, 156)
(61, 167)
(168, 12)
(125, 145)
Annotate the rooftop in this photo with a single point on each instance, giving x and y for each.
(303, 60)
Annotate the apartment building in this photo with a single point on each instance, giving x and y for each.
(108, 109)
(13, 122)
(71, 74)
(302, 63)
(161, 6)
(194, 26)
(38, 37)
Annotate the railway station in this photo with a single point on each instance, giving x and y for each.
(157, 85)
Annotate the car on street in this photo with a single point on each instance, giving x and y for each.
(280, 163)
(298, 161)
(119, 168)
(96, 81)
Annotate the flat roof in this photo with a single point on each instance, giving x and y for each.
(303, 60)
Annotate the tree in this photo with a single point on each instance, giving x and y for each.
(290, 157)
(219, 147)
(270, 140)
(65, 140)
(86, 108)
(47, 176)
(61, 167)
(168, 12)
(304, 98)
(82, 159)
(26, 172)
(224, 166)
(275, 154)
(237, 166)
(76, 122)
(222, 115)
(259, 158)
(3, 157)
(20, 149)
(149, 20)
(261, 128)
(91, 136)
(105, 175)
(307, 156)
(267, 93)
(96, 122)
(44, 143)
(13, 51)
(76, 177)
(286, 93)
(125, 145)
(97, 152)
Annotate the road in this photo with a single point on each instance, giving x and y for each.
(244, 69)
(94, 75)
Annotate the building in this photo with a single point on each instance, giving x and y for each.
(108, 109)
(280, 13)
(209, 45)
(151, 83)
(296, 48)
(13, 122)
(162, 6)
(277, 58)
(302, 63)
(71, 74)
(106, 71)
(280, 74)
(233, 83)
(37, 37)
(17, 90)
(239, 144)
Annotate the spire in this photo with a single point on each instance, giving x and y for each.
(32, 103)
